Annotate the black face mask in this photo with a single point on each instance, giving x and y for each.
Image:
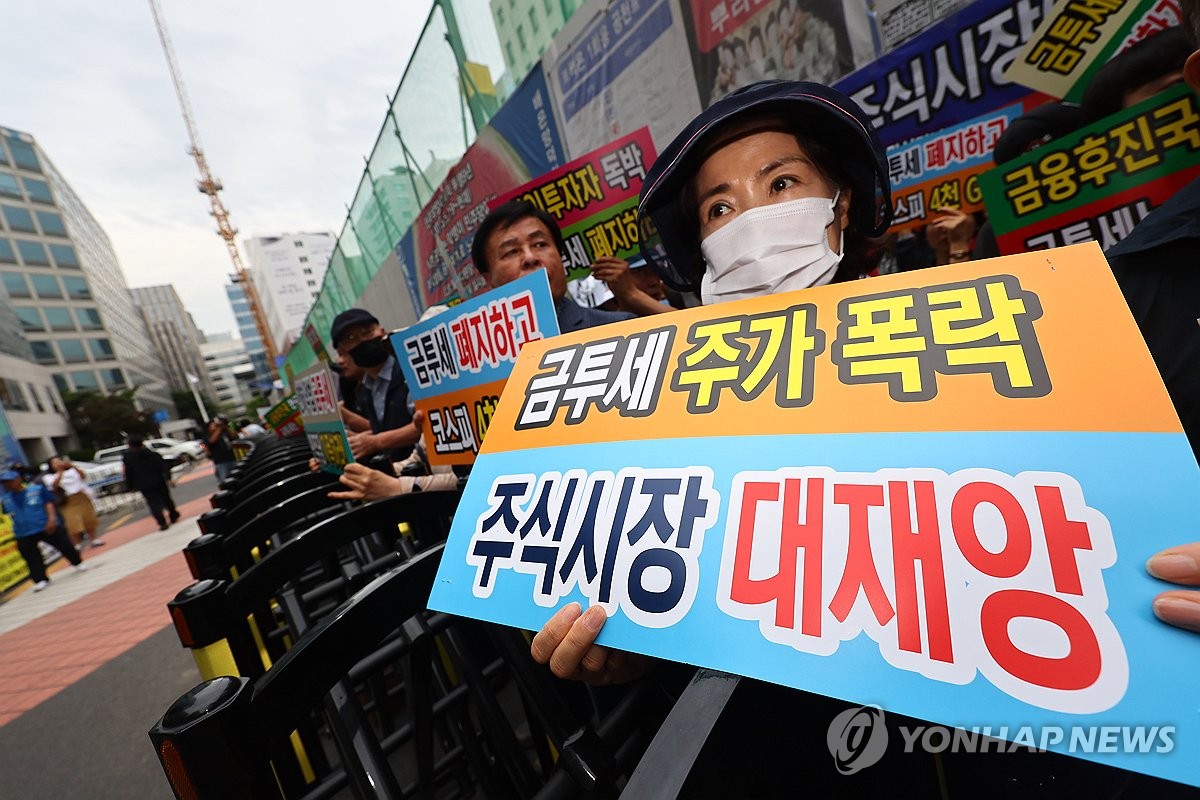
(371, 353)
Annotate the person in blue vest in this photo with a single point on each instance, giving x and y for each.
(35, 519)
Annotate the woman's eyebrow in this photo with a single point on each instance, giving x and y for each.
(720, 188)
(767, 169)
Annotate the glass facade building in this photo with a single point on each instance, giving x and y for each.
(67, 291)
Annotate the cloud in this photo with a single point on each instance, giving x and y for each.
(288, 97)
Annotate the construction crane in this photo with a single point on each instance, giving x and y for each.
(211, 187)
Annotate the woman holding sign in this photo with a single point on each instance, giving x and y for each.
(776, 188)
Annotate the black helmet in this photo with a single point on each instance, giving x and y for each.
(823, 114)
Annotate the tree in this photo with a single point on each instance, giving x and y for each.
(185, 404)
(101, 420)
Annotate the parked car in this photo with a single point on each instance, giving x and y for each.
(101, 478)
(174, 457)
(191, 451)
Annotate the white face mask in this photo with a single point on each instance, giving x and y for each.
(775, 248)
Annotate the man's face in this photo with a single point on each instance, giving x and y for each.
(522, 248)
(356, 336)
(13, 485)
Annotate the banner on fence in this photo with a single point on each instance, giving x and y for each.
(923, 490)
(617, 67)
(594, 201)
(521, 141)
(456, 363)
(951, 73)
(1100, 181)
(740, 42)
(316, 395)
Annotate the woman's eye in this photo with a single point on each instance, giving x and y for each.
(718, 209)
(782, 183)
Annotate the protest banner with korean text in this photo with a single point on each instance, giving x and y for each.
(13, 568)
(617, 67)
(594, 201)
(740, 42)
(1081, 36)
(942, 169)
(321, 418)
(1070, 40)
(933, 491)
(952, 73)
(285, 419)
(457, 362)
(1100, 181)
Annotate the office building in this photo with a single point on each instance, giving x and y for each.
(262, 379)
(175, 337)
(66, 285)
(230, 370)
(287, 270)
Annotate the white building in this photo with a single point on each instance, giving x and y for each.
(229, 371)
(33, 409)
(287, 270)
(174, 334)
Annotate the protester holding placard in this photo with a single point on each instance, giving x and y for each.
(766, 192)
(1156, 267)
(788, 178)
(357, 336)
(517, 238)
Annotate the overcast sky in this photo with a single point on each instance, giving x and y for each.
(288, 97)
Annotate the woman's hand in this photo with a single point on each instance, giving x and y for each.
(1178, 565)
(367, 484)
(567, 642)
(950, 235)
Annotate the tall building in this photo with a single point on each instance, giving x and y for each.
(229, 369)
(287, 270)
(248, 330)
(175, 337)
(399, 195)
(526, 28)
(66, 285)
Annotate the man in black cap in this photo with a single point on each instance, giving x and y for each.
(358, 337)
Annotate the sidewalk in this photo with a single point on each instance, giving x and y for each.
(55, 642)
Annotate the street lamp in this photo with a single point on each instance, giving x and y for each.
(193, 381)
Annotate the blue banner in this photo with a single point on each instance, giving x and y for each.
(949, 74)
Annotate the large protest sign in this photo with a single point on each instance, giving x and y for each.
(285, 418)
(739, 42)
(594, 201)
(616, 67)
(520, 141)
(942, 169)
(1100, 181)
(953, 72)
(456, 363)
(934, 491)
(321, 418)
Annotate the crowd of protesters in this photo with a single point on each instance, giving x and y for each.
(780, 186)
